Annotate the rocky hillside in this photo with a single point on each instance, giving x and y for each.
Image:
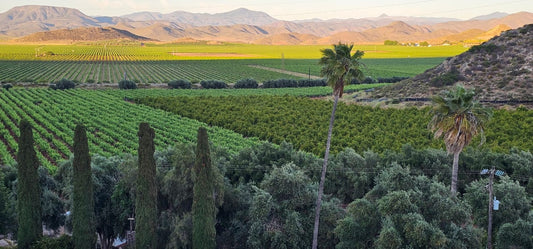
(499, 69)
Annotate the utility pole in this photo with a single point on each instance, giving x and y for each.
(491, 206)
(491, 174)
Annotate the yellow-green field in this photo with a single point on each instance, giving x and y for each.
(114, 51)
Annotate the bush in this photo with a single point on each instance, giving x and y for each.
(63, 242)
(7, 86)
(90, 81)
(391, 79)
(367, 80)
(246, 83)
(127, 84)
(446, 79)
(213, 84)
(280, 83)
(63, 84)
(179, 84)
(311, 83)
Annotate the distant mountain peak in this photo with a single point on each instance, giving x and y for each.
(383, 15)
(491, 16)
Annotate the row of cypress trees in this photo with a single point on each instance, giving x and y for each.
(83, 217)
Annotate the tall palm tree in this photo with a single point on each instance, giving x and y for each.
(339, 67)
(457, 117)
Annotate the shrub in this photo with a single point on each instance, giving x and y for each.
(7, 86)
(90, 81)
(127, 84)
(213, 84)
(446, 79)
(484, 48)
(179, 84)
(391, 79)
(63, 84)
(246, 83)
(63, 242)
(310, 83)
(280, 83)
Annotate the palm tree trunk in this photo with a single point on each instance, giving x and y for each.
(323, 176)
(455, 169)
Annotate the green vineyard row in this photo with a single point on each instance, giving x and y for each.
(304, 123)
(143, 71)
(302, 91)
(229, 71)
(111, 122)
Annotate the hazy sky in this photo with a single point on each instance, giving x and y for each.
(293, 10)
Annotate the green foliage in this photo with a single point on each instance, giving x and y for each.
(63, 242)
(105, 175)
(458, 118)
(514, 202)
(246, 83)
(213, 84)
(63, 84)
(28, 192)
(518, 234)
(127, 84)
(5, 216)
(281, 212)
(390, 43)
(7, 86)
(280, 83)
(203, 207)
(488, 48)
(180, 84)
(446, 79)
(83, 224)
(146, 196)
(416, 212)
(339, 66)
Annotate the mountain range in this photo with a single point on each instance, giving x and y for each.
(35, 23)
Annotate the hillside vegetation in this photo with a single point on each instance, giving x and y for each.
(499, 69)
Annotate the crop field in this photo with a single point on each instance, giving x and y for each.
(114, 51)
(229, 71)
(143, 71)
(111, 121)
(160, 63)
(375, 68)
(112, 124)
(304, 122)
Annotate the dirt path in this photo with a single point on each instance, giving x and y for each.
(303, 75)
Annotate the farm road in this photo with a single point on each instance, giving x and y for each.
(303, 75)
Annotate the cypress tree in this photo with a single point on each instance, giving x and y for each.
(203, 207)
(29, 211)
(146, 200)
(83, 225)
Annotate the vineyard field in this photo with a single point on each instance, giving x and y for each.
(229, 71)
(112, 124)
(375, 68)
(302, 91)
(134, 51)
(304, 123)
(142, 72)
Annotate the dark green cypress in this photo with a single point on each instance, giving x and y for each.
(203, 207)
(83, 225)
(29, 211)
(146, 200)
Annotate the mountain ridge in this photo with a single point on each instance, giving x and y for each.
(248, 26)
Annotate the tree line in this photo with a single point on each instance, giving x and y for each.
(264, 195)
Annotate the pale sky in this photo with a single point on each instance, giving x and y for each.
(292, 10)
